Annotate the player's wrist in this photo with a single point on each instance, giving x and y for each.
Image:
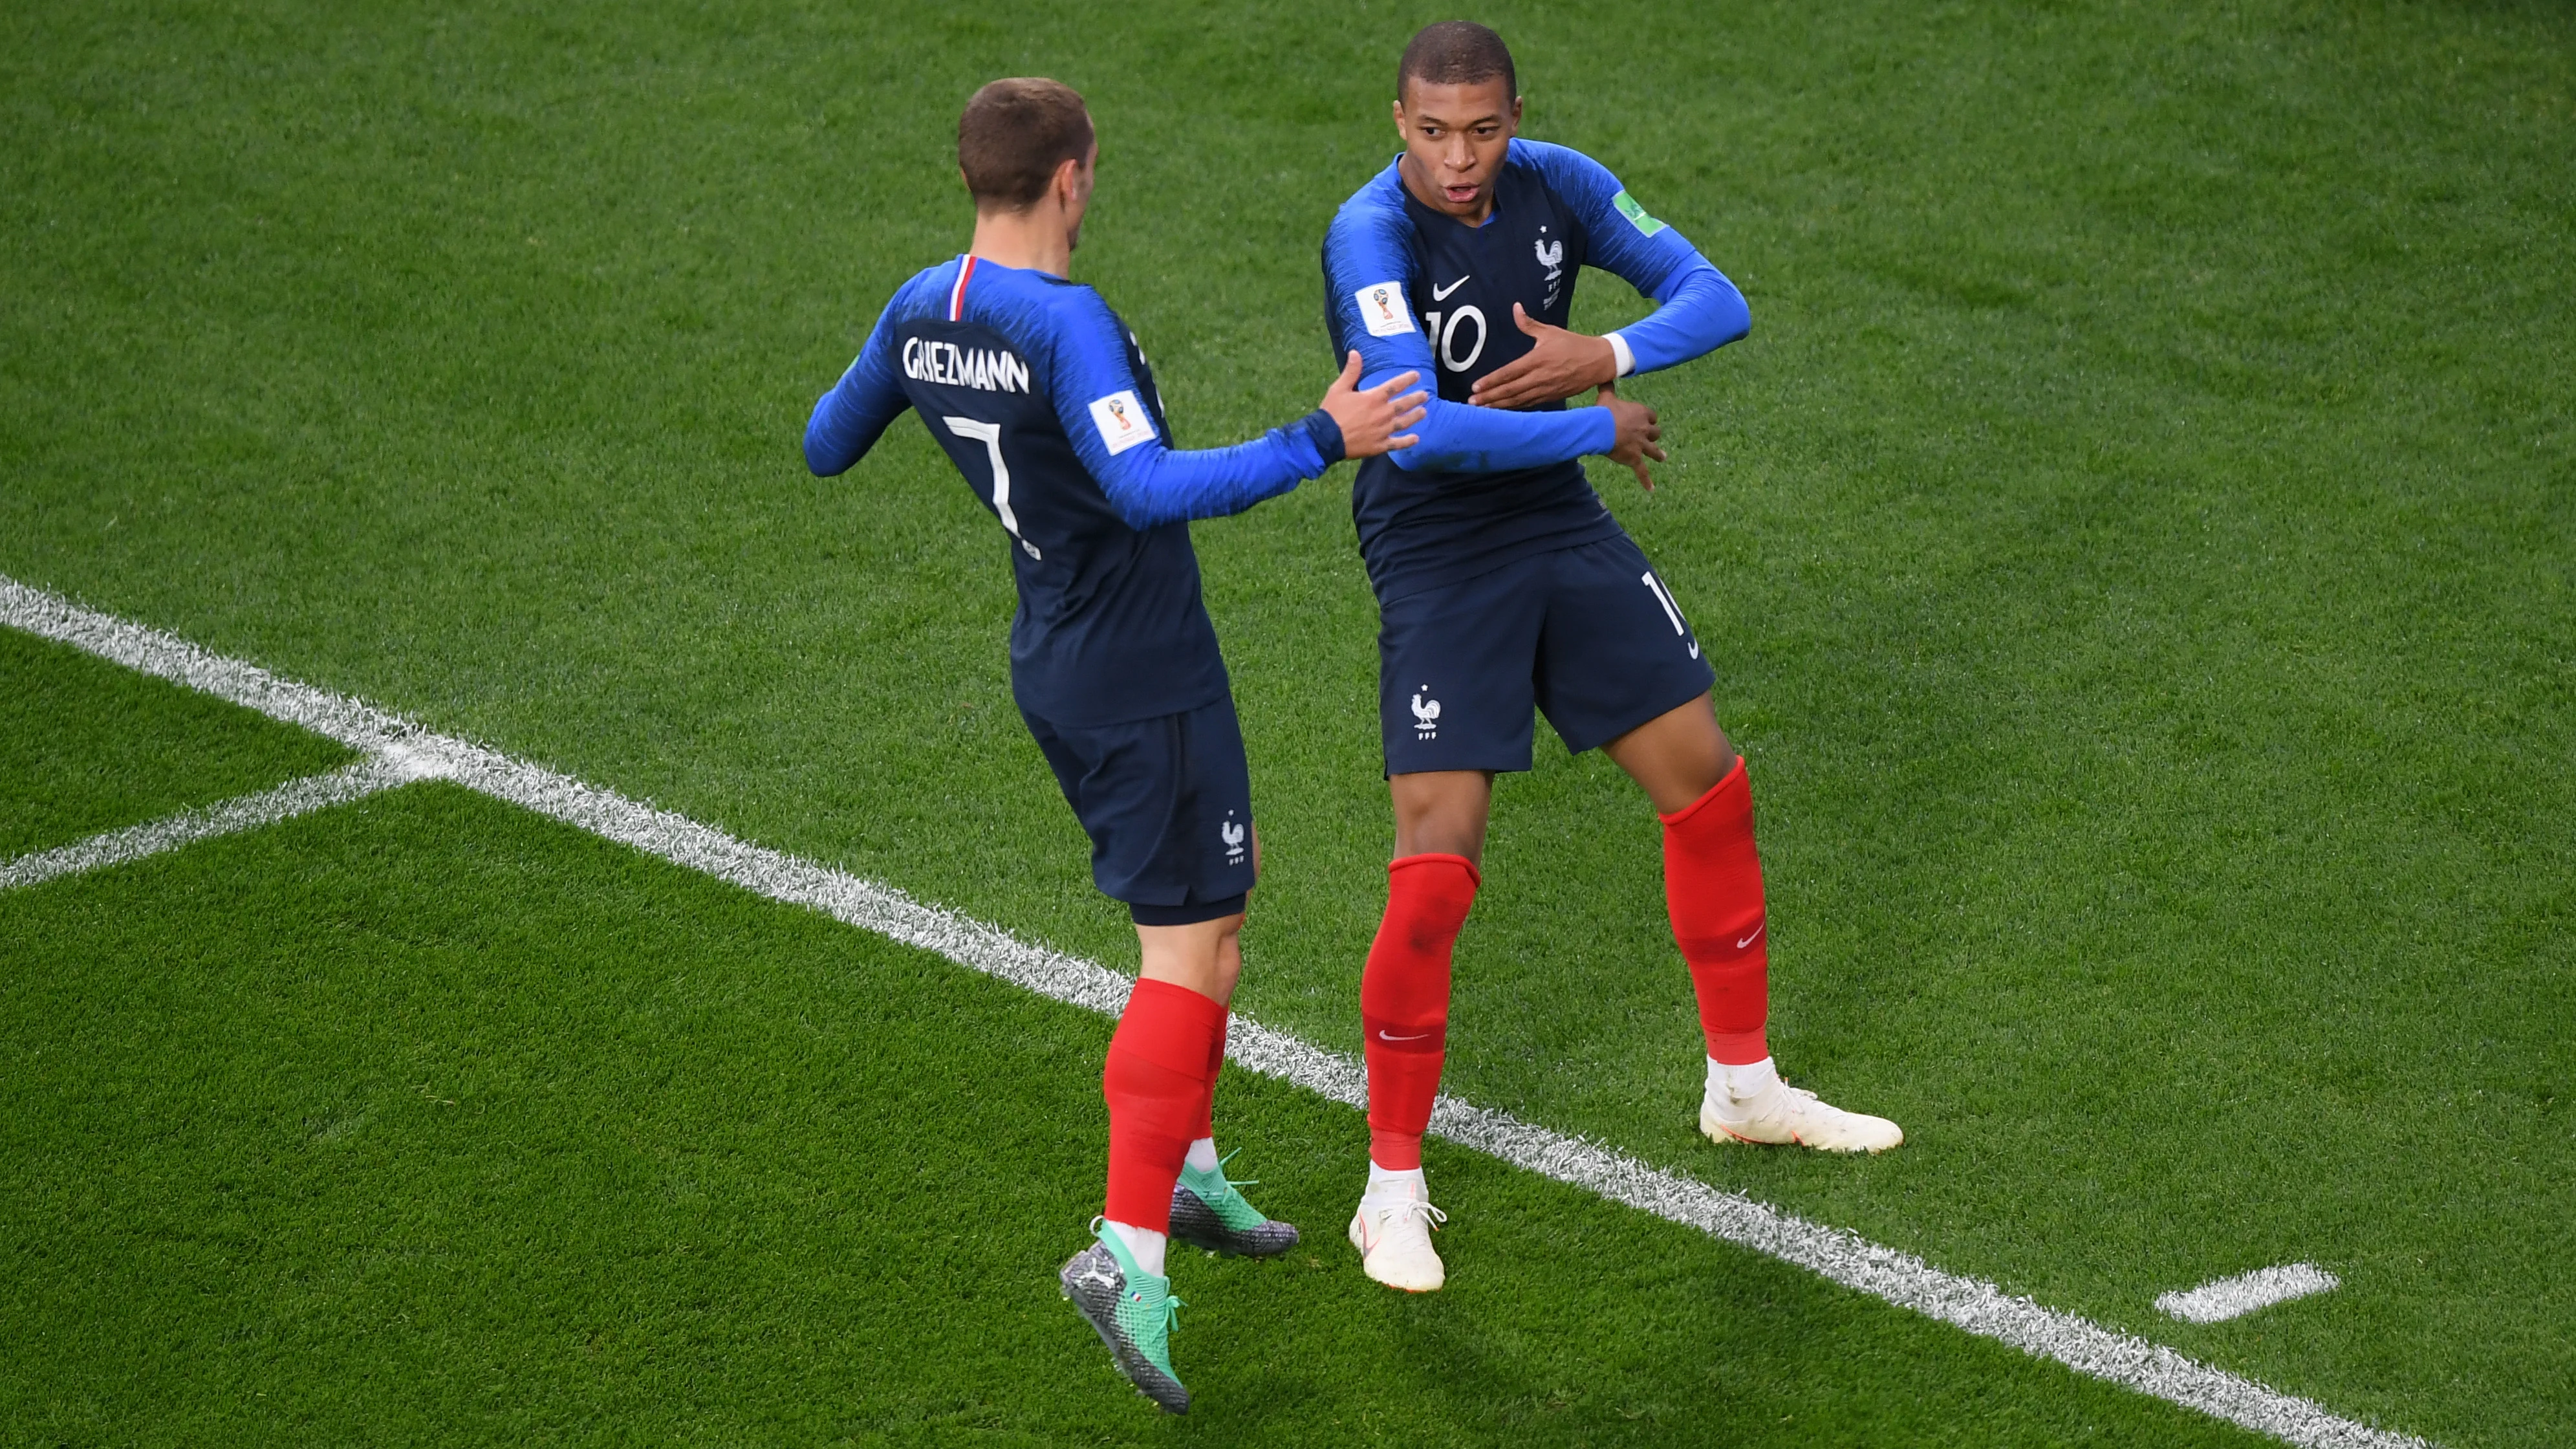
(1623, 359)
(1605, 424)
(1325, 431)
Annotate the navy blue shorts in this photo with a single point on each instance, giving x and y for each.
(1588, 634)
(1167, 803)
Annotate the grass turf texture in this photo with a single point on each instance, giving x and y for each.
(86, 746)
(425, 1119)
(2135, 541)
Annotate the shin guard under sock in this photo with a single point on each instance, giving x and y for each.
(1713, 887)
(1404, 1000)
(1156, 1085)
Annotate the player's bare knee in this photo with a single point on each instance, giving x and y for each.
(1442, 812)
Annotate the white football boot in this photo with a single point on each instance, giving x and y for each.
(1778, 1113)
(1393, 1235)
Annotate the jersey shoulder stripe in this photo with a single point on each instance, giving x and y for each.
(925, 294)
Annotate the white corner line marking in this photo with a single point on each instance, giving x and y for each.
(1836, 1254)
(225, 817)
(2224, 1298)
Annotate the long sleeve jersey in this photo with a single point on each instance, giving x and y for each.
(1042, 399)
(1486, 486)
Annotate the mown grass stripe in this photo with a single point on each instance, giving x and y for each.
(1836, 1254)
(224, 817)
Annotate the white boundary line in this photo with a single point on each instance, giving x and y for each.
(242, 812)
(2224, 1298)
(1833, 1253)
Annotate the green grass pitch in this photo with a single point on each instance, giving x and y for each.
(2135, 546)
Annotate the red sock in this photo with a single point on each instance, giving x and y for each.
(1156, 1083)
(1713, 887)
(1404, 1000)
(1215, 1065)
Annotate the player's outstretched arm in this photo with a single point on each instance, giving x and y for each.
(853, 415)
(1698, 310)
(1151, 483)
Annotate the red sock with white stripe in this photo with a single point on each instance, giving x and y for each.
(1713, 888)
(1157, 1087)
(1404, 1001)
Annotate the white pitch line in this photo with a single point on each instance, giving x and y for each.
(1836, 1254)
(2224, 1298)
(225, 817)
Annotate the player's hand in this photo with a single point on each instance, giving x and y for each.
(1638, 433)
(1557, 366)
(1373, 419)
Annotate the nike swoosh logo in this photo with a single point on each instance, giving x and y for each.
(1749, 940)
(1384, 1035)
(1441, 294)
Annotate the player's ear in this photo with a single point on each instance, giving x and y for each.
(1399, 118)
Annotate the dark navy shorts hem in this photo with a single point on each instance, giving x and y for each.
(1187, 914)
(1167, 802)
(1588, 634)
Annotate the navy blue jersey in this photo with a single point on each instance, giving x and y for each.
(1486, 486)
(1042, 399)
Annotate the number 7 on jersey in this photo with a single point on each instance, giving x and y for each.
(990, 435)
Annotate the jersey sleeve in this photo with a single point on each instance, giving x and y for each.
(1369, 263)
(1698, 309)
(1098, 401)
(854, 414)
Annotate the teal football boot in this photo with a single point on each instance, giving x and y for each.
(1132, 1310)
(1210, 1212)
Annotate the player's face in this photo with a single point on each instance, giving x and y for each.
(1455, 138)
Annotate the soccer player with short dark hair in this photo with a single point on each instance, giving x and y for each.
(1043, 401)
(1503, 582)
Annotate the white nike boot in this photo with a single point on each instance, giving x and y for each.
(1752, 1104)
(1392, 1230)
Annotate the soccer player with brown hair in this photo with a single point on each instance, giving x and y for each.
(1043, 401)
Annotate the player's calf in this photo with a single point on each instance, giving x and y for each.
(1713, 885)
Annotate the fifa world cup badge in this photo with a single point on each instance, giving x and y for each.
(1121, 421)
(1383, 310)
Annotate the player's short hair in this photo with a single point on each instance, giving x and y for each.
(1456, 53)
(1014, 134)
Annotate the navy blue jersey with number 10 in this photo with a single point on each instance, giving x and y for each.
(1041, 397)
(1483, 486)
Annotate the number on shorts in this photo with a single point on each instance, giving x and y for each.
(1655, 586)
